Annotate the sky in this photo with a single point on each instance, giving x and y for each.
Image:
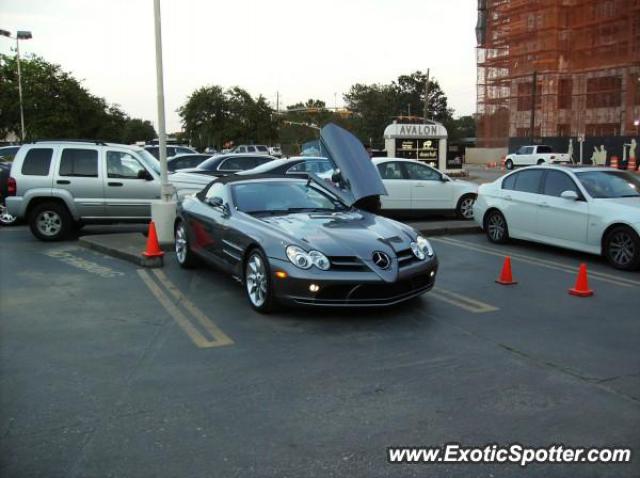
(300, 48)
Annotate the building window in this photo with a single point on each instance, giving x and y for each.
(525, 94)
(604, 92)
(605, 129)
(564, 129)
(565, 91)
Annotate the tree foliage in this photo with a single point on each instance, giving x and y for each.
(56, 105)
(213, 116)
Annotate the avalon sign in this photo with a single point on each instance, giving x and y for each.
(415, 131)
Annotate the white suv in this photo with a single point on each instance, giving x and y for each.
(60, 185)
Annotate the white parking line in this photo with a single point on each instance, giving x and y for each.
(462, 301)
(555, 265)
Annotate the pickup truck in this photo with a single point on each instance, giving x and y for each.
(535, 154)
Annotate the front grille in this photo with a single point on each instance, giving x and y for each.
(347, 263)
(373, 293)
(406, 257)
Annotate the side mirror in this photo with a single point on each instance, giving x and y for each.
(444, 178)
(144, 174)
(215, 201)
(569, 195)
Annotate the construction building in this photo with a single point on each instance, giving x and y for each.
(557, 68)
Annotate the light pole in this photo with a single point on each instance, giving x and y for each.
(636, 123)
(20, 35)
(163, 212)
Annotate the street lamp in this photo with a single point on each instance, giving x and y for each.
(20, 35)
(636, 123)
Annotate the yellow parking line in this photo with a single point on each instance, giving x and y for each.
(212, 328)
(462, 301)
(601, 276)
(180, 318)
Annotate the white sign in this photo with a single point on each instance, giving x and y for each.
(396, 130)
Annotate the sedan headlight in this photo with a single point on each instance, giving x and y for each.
(421, 248)
(304, 260)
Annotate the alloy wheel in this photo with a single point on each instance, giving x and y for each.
(466, 208)
(256, 281)
(622, 248)
(49, 223)
(181, 244)
(496, 227)
(6, 218)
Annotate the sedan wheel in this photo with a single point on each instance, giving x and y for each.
(622, 249)
(465, 207)
(6, 219)
(257, 283)
(184, 255)
(496, 227)
(509, 164)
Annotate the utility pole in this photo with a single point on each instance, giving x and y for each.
(426, 97)
(533, 106)
(277, 101)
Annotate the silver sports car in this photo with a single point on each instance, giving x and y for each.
(300, 241)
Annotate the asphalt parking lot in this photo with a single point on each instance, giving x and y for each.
(110, 370)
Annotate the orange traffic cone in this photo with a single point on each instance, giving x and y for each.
(506, 278)
(632, 165)
(614, 162)
(582, 283)
(153, 248)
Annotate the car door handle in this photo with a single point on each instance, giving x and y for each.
(508, 198)
(543, 204)
(114, 184)
(63, 181)
(419, 185)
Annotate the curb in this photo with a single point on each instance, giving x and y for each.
(137, 259)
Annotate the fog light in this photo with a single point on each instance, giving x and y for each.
(281, 274)
(432, 274)
(314, 287)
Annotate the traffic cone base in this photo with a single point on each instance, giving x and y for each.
(506, 277)
(581, 288)
(153, 247)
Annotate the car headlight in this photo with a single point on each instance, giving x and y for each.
(421, 248)
(298, 257)
(304, 260)
(319, 260)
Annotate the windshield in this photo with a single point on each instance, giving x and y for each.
(282, 197)
(610, 184)
(149, 161)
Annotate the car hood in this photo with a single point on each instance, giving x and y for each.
(350, 233)
(360, 178)
(628, 207)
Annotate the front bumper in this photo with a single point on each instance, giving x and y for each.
(350, 289)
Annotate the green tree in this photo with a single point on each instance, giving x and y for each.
(56, 105)
(211, 116)
(136, 129)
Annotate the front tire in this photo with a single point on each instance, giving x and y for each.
(496, 227)
(184, 255)
(50, 221)
(257, 282)
(464, 209)
(508, 164)
(622, 248)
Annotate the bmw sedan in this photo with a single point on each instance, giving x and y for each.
(593, 210)
(415, 188)
(300, 241)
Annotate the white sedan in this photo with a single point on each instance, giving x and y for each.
(415, 187)
(594, 210)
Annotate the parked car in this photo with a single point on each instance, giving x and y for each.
(594, 210)
(296, 165)
(172, 150)
(275, 151)
(415, 188)
(60, 185)
(300, 241)
(250, 148)
(7, 153)
(184, 161)
(190, 180)
(6, 219)
(535, 154)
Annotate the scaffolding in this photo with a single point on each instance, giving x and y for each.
(557, 68)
